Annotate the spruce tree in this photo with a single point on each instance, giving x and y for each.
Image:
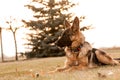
(48, 23)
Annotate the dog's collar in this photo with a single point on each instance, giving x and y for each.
(77, 49)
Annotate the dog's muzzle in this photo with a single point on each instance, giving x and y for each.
(62, 42)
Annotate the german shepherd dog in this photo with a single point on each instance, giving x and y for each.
(79, 53)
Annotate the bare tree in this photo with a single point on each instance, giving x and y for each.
(13, 30)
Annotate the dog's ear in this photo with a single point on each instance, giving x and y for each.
(75, 25)
(67, 24)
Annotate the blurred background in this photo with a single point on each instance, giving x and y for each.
(30, 27)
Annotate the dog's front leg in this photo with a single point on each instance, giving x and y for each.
(79, 67)
(61, 69)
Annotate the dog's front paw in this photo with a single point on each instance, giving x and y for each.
(60, 69)
(56, 70)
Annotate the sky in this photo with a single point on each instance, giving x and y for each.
(103, 15)
(16, 10)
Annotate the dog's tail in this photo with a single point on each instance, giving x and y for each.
(117, 59)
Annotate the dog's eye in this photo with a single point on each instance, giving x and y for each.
(70, 33)
(73, 33)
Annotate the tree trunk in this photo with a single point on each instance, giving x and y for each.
(14, 36)
(2, 56)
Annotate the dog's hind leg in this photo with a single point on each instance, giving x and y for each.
(105, 58)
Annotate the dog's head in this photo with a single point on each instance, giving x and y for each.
(72, 35)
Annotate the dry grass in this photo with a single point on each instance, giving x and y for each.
(29, 70)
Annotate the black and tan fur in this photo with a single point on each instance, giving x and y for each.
(79, 53)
